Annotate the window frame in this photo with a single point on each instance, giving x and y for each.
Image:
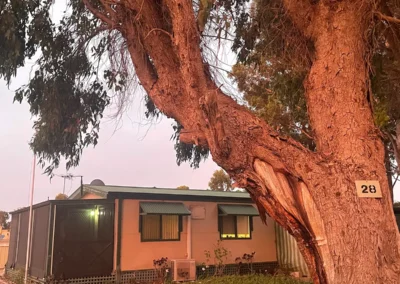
(220, 227)
(160, 224)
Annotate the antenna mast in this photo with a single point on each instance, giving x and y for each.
(70, 177)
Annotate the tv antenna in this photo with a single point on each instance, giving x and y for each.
(70, 176)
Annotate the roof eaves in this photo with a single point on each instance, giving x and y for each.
(176, 197)
(41, 204)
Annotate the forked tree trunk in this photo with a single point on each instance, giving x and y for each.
(344, 238)
(361, 235)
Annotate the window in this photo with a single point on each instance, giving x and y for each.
(160, 227)
(235, 227)
(236, 220)
(161, 221)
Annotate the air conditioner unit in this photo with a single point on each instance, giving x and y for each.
(183, 269)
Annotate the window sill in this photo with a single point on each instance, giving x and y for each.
(227, 239)
(152, 241)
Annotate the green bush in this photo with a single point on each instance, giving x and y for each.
(251, 279)
(16, 276)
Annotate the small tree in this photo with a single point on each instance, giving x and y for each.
(184, 187)
(4, 223)
(61, 196)
(220, 181)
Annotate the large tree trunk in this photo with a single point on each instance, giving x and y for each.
(360, 233)
(344, 238)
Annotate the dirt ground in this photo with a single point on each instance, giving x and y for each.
(3, 281)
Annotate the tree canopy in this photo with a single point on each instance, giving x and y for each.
(61, 196)
(183, 187)
(220, 181)
(4, 220)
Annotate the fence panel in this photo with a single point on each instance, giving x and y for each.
(3, 255)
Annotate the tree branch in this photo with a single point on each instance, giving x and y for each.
(107, 5)
(209, 116)
(87, 40)
(187, 41)
(301, 13)
(387, 18)
(147, 22)
(145, 70)
(98, 14)
(397, 178)
(191, 97)
(160, 30)
(143, 38)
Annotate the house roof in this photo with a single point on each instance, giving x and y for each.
(153, 193)
(63, 202)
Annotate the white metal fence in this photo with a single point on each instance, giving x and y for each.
(288, 253)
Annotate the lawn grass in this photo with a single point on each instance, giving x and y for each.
(250, 279)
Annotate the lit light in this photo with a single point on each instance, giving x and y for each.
(243, 236)
(92, 213)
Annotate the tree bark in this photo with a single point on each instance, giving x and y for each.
(361, 235)
(343, 238)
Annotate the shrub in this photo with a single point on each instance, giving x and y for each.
(162, 268)
(16, 276)
(247, 258)
(220, 258)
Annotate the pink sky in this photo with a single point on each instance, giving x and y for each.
(136, 155)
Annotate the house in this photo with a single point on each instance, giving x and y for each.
(116, 232)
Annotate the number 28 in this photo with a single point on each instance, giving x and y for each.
(371, 189)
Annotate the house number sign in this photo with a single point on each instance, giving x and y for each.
(368, 188)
